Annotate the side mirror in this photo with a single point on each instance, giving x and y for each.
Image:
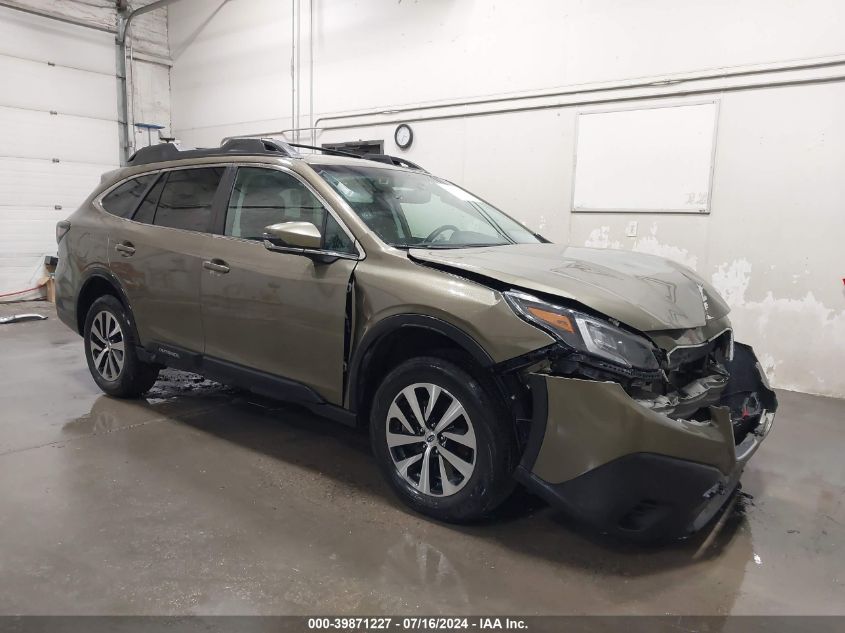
(295, 234)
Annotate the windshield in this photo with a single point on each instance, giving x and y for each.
(407, 209)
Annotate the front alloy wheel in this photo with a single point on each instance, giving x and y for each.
(431, 439)
(444, 439)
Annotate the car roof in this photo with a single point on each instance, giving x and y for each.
(253, 150)
(165, 154)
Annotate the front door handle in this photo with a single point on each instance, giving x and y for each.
(216, 265)
(125, 248)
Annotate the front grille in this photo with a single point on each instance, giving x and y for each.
(688, 363)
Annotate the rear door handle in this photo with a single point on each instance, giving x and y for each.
(125, 248)
(216, 265)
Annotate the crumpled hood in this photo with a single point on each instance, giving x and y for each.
(643, 291)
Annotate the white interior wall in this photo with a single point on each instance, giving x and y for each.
(772, 242)
(59, 126)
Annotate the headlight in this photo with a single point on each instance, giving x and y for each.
(585, 333)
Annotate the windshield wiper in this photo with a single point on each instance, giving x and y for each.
(434, 245)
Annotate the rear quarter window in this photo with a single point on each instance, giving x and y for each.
(147, 209)
(123, 200)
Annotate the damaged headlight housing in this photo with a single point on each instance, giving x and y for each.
(585, 333)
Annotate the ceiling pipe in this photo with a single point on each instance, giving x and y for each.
(311, 72)
(293, 63)
(580, 96)
(298, 65)
(555, 105)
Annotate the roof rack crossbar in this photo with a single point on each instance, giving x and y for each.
(236, 146)
(392, 160)
(163, 152)
(398, 161)
(327, 150)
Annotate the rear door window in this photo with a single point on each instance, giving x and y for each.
(123, 200)
(187, 198)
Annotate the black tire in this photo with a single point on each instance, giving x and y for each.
(134, 377)
(491, 479)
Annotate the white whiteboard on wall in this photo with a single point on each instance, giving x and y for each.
(657, 159)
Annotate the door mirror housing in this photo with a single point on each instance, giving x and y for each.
(294, 234)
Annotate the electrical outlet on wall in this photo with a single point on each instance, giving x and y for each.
(631, 229)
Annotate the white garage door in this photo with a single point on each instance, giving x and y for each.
(58, 134)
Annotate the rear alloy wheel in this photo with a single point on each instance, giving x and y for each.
(107, 345)
(110, 351)
(443, 439)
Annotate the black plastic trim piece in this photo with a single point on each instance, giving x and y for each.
(175, 356)
(258, 381)
(164, 152)
(362, 355)
(334, 413)
(220, 203)
(641, 496)
(230, 373)
(106, 275)
(539, 418)
(397, 161)
(348, 328)
(327, 150)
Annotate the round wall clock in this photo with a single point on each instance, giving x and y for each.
(403, 136)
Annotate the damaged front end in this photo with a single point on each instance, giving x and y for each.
(716, 372)
(644, 452)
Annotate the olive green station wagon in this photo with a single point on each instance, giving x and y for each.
(478, 354)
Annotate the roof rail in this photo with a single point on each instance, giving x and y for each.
(236, 146)
(380, 158)
(327, 150)
(392, 160)
(398, 161)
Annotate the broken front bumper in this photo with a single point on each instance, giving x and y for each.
(632, 470)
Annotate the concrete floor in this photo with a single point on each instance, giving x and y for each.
(203, 500)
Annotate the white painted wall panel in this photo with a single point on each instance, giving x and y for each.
(79, 85)
(23, 232)
(37, 86)
(36, 134)
(234, 61)
(30, 189)
(773, 240)
(40, 183)
(34, 38)
(23, 244)
(372, 53)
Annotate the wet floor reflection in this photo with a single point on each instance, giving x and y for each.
(201, 499)
(527, 556)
